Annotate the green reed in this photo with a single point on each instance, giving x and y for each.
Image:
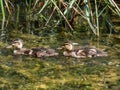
(3, 17)
(37, 15)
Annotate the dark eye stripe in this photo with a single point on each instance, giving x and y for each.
(66, 44)
(16, 41)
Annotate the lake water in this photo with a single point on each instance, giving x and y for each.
(61, 73)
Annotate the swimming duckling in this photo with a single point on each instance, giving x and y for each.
(70, 50)
(19, 50)
(36, 52)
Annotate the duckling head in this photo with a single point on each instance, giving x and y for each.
(69, 46)
(16, 44)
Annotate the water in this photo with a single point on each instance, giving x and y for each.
(60, 73)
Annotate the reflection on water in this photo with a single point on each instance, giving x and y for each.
(59, 73)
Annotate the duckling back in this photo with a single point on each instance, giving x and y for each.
(43, 52)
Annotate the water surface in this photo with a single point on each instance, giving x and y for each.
(60, 73)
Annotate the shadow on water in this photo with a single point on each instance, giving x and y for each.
(59, 73)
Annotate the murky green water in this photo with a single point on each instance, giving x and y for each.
(60, 73)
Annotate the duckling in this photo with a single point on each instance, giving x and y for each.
(19, 50)
(71, 51)
(36, 52)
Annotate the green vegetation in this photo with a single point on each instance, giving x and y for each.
(57, 16)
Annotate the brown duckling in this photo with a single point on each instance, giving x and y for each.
(69, 50)
(19, 50)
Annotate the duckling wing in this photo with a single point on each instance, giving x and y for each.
(40, 52)
(38, 49)
(22, 51)
(51, 52)
(25, 51)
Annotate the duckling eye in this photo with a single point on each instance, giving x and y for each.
(66, 45)
(15, 43)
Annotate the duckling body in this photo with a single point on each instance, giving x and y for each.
(75, 54)
(70, 51)
(96, 53)
(36, 52)
(22, 51)
(43, 52)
